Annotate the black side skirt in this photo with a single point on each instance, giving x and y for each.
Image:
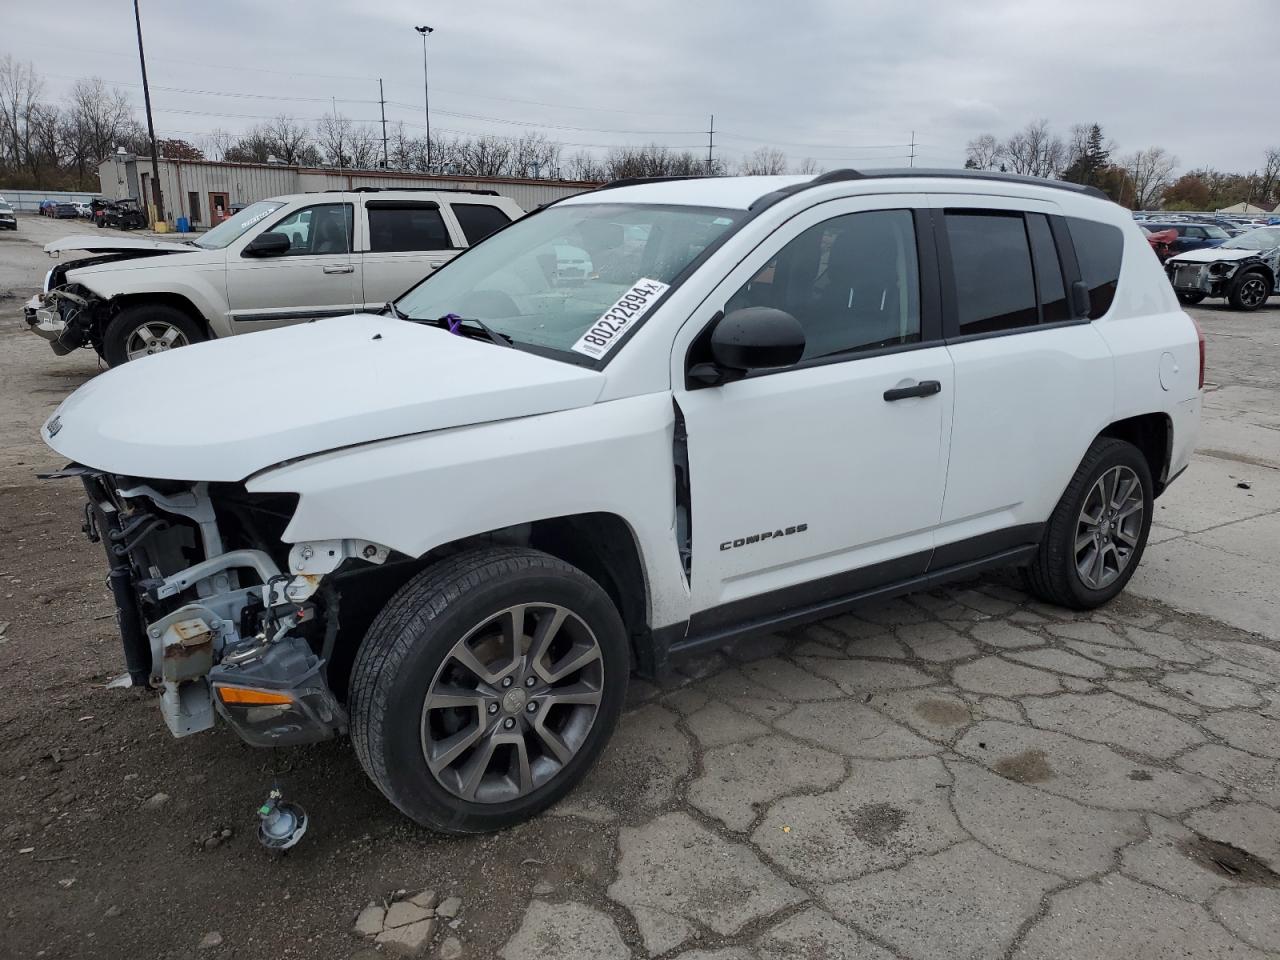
(831, 596)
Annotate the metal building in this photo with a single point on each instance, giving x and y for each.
(204, 191)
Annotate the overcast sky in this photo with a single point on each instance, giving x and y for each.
(842, 81)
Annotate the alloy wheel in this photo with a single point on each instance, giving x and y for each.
(512, 703)
(1109, 527)
(1253, 291)
(156, 336)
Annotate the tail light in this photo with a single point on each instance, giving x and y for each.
(1200, 337)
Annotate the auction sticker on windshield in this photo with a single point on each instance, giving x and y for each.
(603, 335)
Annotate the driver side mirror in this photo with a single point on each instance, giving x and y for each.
(268, 245)
(753, 338)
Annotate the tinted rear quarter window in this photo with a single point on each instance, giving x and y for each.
(995, 285)
(1099, 247)
(1053, 291)
(478, 220)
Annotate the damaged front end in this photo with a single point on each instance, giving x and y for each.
(215, 611)
(70, 315)
(68, 318)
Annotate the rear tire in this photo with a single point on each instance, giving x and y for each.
(148, 327)
(1067, 570)
(1249, 291)
(419, 688)
(1191, 299)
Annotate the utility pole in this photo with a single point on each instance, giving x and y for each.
(913, 148)
(426, 92)
(156, 196)
(382, 102)
(711, 140)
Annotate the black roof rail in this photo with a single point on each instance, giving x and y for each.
(836, 176)
(486, 193)
(633, 181)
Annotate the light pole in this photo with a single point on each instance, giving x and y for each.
(426, 96)
(156, 195)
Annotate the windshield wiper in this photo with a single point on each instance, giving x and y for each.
(395, 312)
(453, 323)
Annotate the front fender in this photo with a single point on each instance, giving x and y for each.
(417, 493)
(204, 286)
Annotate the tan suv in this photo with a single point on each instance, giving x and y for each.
(277, 261)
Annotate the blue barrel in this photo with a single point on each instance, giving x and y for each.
(184, 225)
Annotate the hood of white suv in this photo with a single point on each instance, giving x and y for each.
(226, 409)
(1213, 255)
(110, 244)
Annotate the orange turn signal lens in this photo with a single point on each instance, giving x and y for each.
(249, 697)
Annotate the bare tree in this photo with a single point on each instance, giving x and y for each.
(1150, 172)
(584, 166)
(97, 121)
(485, 156)
(1269, 178)
(20, 92)
(763, 161)
(982, 153)
(653, 160)
(808, 166)
(289, 141)
(1034, 151)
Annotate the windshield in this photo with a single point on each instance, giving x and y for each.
(1214, 232)
(229, 230)
(1264, 238)
(545, 280)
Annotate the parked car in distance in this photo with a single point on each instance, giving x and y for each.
(1161, 240)
(277, 261)
(65, 211)
(8, 219)
(1243, 270)
(124, 214)
(48, 208)
(1190, 236)
(451, 529)
(84, 209)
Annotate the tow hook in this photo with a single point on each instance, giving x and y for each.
(280, 824)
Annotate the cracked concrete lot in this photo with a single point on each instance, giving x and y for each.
(957, 774)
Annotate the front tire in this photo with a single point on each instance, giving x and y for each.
(146, 329)
(1249, 291)
(487, 687)
(1191, 299)
(1097, 533)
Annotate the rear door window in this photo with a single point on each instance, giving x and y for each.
(994, 278)
(478, 220)
(399, 226)
(1099, 247)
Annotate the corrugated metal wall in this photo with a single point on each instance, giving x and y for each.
(247, 182)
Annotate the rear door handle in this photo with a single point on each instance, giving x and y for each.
(925, 388)
(343, 268)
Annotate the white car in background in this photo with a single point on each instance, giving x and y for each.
(1243, 269)
(277, 261)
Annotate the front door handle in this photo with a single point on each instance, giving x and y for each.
(342, 268)
(925, 388)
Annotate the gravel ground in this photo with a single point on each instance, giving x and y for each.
(964, 773)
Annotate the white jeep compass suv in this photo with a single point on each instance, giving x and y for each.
(277, 261)
(454, 528)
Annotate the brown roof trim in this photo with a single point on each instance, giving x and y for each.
(393, 174)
